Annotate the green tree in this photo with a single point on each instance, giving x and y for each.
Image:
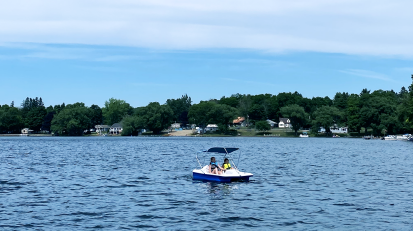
(288, 98)
(261, 107)
(156, 117)
(296, 114)
(180, 108)
(132, 125)
(353, 113)
(379, 113)
(58, 108)
(11, 120)
(210, 112)
(262, 126)
(405, 111)
(340, 100)
(72, 120)
(97, 115)
(35, 118)
(115, 110)
(317, 102)
(222, 115)
(198, 113)
(33, 111)
(47, 121)
(230, 101)
(326, 117)
(244, 106)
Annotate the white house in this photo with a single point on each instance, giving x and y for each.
(211, 127)
(116, 128)
(284, 123)
(175, 125)
(102, 129)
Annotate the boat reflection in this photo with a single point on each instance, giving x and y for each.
(220, 189)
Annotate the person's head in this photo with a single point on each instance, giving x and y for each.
(212, 159)
(226, 161)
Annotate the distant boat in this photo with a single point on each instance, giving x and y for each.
(403, 137)
(390, 137)
(304, 135)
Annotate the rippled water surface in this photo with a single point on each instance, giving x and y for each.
(57, 183)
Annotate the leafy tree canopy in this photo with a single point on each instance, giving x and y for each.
(262, 126)
(132, 125)
(156, 117)
(180, 108)
(296, 114)
(115, 110)
(72, 120)
(326, 117)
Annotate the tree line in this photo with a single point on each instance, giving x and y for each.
(378, 112)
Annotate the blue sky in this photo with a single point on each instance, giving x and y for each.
(142, 51)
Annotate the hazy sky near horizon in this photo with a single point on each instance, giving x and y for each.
(145, 51)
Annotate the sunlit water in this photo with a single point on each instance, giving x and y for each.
(57, 183)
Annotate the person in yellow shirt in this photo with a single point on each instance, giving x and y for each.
(226, 164)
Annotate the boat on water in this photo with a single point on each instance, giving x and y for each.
(404, 137)
(389, 137)
(304, 135)
(230, 175)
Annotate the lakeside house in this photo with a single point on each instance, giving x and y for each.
(116, 128)
(211, 128)
(240, 121)
(102, 129)
(284, 123)
(176, 126)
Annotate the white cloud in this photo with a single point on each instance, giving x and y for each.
(342, 26)
(367, 74)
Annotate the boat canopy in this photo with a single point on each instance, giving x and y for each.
(221, 150)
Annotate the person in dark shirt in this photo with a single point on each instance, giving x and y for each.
(214, 167)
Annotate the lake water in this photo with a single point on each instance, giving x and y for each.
(57, 183)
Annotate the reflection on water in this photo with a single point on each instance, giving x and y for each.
(146, 183)
(219, 190)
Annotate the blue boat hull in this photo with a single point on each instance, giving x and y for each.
(217, 178)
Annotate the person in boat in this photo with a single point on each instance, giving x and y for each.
(214, 167)
(226, 164)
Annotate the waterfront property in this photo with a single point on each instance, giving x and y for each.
(102, 129)
(116, 129)
(284, 123)
(211, 128)
(240, 121)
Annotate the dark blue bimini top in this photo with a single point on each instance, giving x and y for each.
(221, 150)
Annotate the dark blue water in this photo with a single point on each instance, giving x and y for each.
(135, 183)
